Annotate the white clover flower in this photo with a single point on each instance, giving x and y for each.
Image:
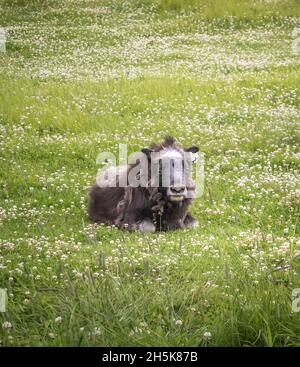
(207, 335)
(269, 238)
(97, 331)
(6, 325)
(58, 319)
(178, 322)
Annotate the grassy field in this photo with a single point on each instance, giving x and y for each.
(80, 77)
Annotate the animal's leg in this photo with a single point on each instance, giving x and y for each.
(172, 225)
(133, 222)
(128, 222)
(146, 225)
(173, 216)
(190, 222)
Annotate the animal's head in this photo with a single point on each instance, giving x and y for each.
(170, 169)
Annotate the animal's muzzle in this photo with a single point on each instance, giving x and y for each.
(176, 193)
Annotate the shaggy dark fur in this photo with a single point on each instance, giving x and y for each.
(141, 208)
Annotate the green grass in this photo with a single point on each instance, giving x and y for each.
(228, 8)
(81, 77)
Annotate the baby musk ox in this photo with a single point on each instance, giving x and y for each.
(156, 195)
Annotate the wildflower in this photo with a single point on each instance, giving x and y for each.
(178, 322)
(6, 325)
(97, 331)
(269, 238)
(58, 319)
(207, 335)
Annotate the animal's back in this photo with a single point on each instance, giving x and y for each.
(103, 203)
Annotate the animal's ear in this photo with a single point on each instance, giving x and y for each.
(192, 149)
(147, 151)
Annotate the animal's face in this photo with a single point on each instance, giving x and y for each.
(170, 170)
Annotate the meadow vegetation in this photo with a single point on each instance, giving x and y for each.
(80, 77)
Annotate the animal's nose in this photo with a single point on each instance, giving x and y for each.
(177, 190)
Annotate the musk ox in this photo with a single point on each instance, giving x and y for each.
(158, 198)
